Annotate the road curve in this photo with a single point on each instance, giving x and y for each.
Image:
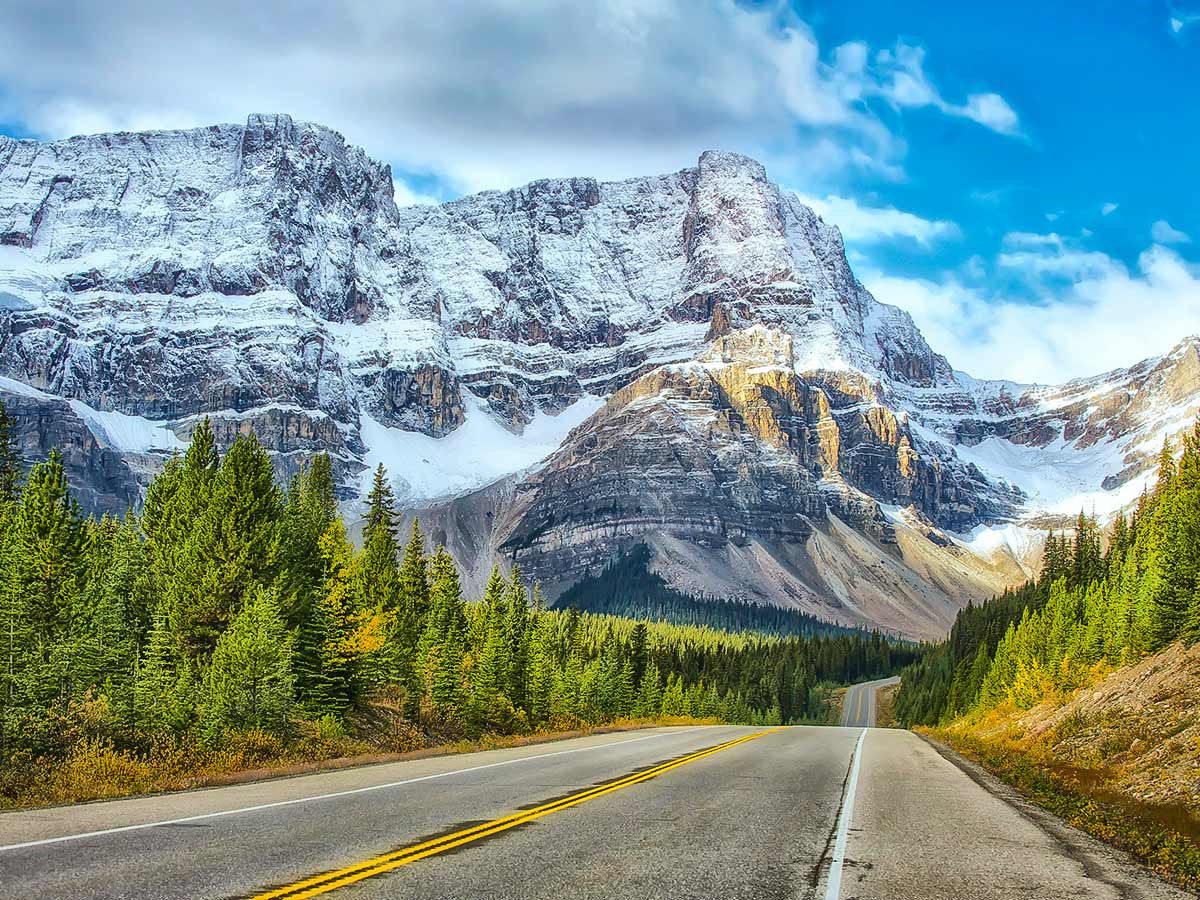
(860, 706)
(717, 811)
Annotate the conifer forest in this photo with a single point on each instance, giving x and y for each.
(1097, 605)
(231, 610)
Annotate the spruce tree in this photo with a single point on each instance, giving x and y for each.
(517, 637)
(378, 575)
(410, 619)
(309, 507)
(444, 643)
(47, 542)
(233, 550)
(10, 462)
(491, 666)
(1191, 625)
(332, 649)
(250, 681)
(543, 671)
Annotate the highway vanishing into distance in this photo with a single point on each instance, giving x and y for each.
(690, 812)
(860, 706)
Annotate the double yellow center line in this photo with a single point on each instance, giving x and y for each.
(329, 881)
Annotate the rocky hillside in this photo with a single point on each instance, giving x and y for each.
(1138, 729)
(550, 373)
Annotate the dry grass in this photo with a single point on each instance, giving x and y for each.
(1165, 838)
(95, 770)
(1119, 757)
(885, 709)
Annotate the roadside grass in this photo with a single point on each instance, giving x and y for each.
(885, 706)
(96, 769)
(1167, 839)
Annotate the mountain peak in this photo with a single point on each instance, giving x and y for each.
(726, 162)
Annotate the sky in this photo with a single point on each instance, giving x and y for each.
(1020, 177)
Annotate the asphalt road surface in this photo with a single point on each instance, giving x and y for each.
(719, 811)
(860, 705)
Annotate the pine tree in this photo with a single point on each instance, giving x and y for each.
(10, 462)
(444, 643)
(250, 680)
(309, 507)
(410, 619)
(517, 637)
(233, 549)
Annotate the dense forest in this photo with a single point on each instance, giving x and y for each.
(230, 605)
(1098, 604)
(627, 587)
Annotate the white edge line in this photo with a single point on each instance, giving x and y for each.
(362, 790)
(833, 885)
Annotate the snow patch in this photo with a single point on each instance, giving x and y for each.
(479, 452)
(127, 434)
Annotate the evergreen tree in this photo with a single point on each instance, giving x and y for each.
(444, 642)
(517, 637)
(233, 549)
(10, 461)
(410, 619)
(309, 507)
(542, 671)
(378, 576)
(250, 680)
(335, 638)
(491, 667)
(47, 534)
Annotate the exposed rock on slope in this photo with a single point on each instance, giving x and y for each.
(743, 405)
(1138, 729)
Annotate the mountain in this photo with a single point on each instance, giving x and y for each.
(551, 374)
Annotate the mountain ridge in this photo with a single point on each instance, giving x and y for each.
(263, 276)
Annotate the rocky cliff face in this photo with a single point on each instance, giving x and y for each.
(550, 373)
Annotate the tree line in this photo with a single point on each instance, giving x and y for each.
(1098, 604)
(627, 587)
(230, 604)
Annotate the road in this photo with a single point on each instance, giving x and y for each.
(717, 811)
(860, 706)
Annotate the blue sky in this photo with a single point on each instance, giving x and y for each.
(1106, 93)
(1021, 177)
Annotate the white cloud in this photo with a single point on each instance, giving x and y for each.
(1162, 233)
(1108, 318)
(1031, 239)
(904, 82)
(406, 196)
(487, 94)
(992, 111)
(871, 224)
(1181, 20)
(1109, 208)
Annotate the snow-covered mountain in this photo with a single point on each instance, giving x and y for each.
(549, 373)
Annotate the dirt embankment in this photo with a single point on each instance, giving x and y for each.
(885, 706)
(1137, 731)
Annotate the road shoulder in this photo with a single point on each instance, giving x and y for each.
(1102, 862)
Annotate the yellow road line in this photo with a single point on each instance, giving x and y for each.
(858, 711)
(328, 881)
